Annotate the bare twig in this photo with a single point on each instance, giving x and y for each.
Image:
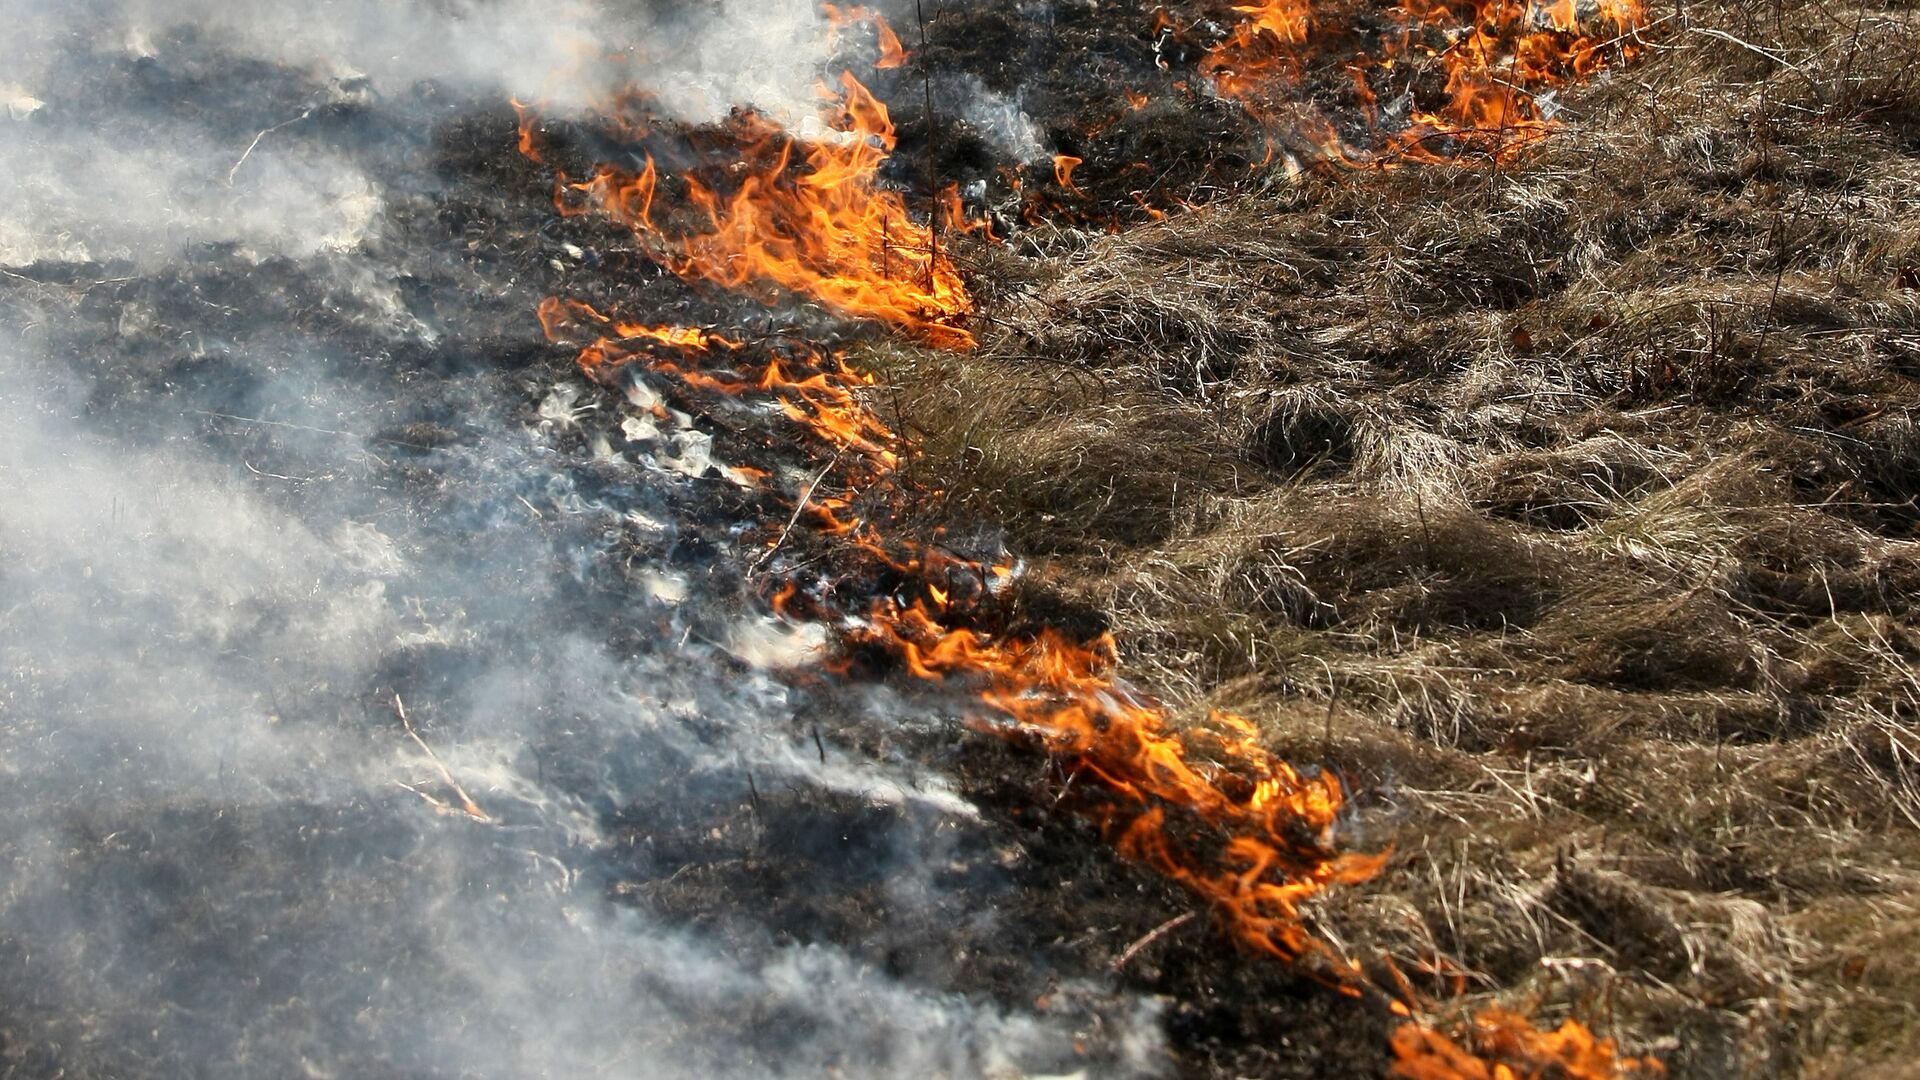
(304, 427)
(1747, 45)
(933, 183)
(275, 475)
(467, 804)
(798, 509)
(248, 152)
(1152, 936)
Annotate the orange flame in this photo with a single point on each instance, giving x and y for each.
(1504, 1045)
(612, 347)
(954, 217)
(1063, 166)
(892, 53)
(824, 400)
(1496, 60)
(820, 226)
(556, 315)
(529, 135)
(1209, 807)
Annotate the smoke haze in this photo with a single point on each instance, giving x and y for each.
(302, 549)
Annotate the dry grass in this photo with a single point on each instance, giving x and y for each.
(1570, 510)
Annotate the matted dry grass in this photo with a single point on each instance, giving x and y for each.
(1569, 509)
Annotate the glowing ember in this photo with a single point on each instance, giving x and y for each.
(1497, 59)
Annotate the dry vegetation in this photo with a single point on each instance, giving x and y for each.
(1569, 510)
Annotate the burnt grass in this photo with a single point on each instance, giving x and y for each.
(1027, 906)
(1567, 508)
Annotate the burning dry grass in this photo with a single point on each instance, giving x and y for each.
(1569, 508)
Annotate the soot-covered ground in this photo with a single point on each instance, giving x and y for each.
(288, 521)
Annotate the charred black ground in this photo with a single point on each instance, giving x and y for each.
(229, 906)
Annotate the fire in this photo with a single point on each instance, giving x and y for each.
(1244, 830)
(1248, 833)
(892, 53)
(809, 218)
(1212, 809)
(529, 136)
(557, 315)
(954, 217)
(1497, 59)
(1063, 166)
(1506, 1046)
(823, 399)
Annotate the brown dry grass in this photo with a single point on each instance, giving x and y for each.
(1568, 509)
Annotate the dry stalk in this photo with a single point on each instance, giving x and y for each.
(467, 805)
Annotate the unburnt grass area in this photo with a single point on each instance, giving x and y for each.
(1568, 509)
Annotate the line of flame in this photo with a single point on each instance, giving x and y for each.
(1209, 808)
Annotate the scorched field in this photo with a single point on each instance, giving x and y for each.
(984, 538)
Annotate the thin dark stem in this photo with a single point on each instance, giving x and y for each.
(933, 183)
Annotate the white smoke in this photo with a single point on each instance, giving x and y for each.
(221, 851)
(1002, 121)
(170, 646)
(703, 58)
(141, 187)
(112, 194)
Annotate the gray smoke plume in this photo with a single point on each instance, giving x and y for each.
(702, 57)
(319, 755)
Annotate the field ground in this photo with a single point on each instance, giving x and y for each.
(1567, 509)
